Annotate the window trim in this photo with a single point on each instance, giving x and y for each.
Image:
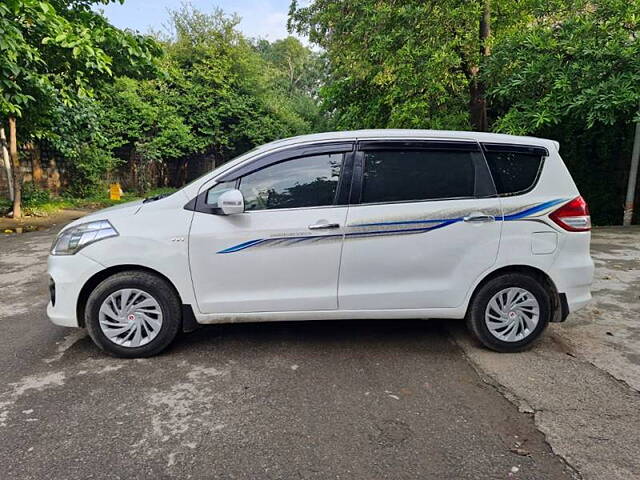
(292, 153)
(419, 145)
(495, 147)
(411, 145)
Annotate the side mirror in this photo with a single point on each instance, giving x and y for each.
(231, 202)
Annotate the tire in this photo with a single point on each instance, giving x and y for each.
(154, 310)
(520, 316)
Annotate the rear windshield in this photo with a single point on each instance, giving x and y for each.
(514, 173)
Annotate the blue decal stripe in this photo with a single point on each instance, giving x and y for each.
(259, 241)
(532, 210)
(242, 246)
(405, 230)
(441, 223)
(313, 237)
(408, 222)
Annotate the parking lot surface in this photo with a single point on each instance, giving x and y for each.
(355, 399)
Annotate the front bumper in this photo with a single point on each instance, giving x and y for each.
(69, 273)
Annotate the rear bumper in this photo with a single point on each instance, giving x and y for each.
(578, 297)
(572, 271)
(574, 283)
(69, 273)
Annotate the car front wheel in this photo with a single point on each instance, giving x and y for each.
(133, 314)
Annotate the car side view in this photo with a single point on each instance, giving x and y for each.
(371, 224)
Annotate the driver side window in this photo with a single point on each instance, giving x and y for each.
(301, 182)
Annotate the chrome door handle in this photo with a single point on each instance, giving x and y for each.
(323, 226)
(479, 218)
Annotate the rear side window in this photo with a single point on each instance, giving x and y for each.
(513, 173)
(302, 182)
(395, 176)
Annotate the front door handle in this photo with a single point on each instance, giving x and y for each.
(323, 226)
(479, 218)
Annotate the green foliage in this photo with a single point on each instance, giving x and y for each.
(77, 133)
(58, 51)
(219, 95)
(133, 113)
(102, 96)
(294, 75)
(584, 64)
(34, 196)
(294, 67)
(54, 55)
(87, 172)
(397, 64)
(575, 76)
(229, 94)
(563, 69)
(40, 203)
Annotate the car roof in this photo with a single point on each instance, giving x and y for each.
(392, 133)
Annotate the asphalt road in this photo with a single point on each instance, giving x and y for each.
(352, 400)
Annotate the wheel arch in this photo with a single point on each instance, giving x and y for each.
(95, 280)
(557, 300)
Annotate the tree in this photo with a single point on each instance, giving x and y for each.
(297, 68)
(295, 74)
(137, 118)
(574, 74)
(411, 64)
(56, 52)
(229, 91)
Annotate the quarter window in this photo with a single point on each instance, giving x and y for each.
(214, 193)
(513, 173)
(301, 182)
(393, 176)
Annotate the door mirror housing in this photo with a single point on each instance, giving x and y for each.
(231, 202)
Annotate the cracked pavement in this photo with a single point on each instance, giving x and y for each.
(355, 399)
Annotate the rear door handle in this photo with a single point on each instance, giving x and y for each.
(479, 218)
(323, 226)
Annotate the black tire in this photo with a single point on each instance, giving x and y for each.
(152, 284)
(476, 314)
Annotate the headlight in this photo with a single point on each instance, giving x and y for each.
(71, 240)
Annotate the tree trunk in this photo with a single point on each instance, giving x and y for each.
(477, 89)
(17, 171)
(36, 164)
(477, 105)
(183, 172)
(6, 162)
(633, 179)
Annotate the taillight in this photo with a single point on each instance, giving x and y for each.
(573, 216)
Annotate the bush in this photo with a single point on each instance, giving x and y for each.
(87, 171)
(34, 196)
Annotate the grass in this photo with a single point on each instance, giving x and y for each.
(45, 205)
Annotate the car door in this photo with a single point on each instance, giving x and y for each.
(283, 252)
(422, 226)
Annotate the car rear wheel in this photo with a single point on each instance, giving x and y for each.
(510, 312)
(133, 314)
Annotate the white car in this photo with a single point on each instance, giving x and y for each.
(373, 224)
